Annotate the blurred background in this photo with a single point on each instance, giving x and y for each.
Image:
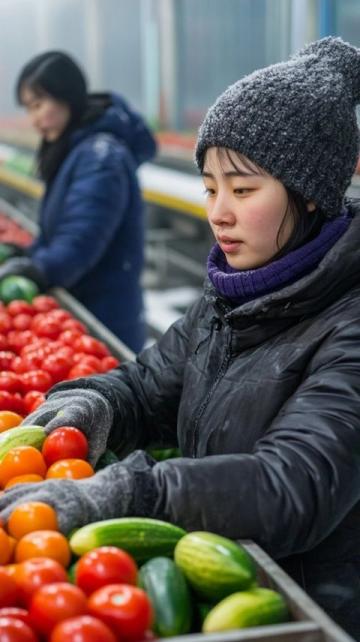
(170, 59)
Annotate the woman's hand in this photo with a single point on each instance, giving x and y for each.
(85, 409)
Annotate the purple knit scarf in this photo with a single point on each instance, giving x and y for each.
(244, 285)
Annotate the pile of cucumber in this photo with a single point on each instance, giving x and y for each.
(196, 581)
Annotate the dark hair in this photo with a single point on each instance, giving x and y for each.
(307, 225)
(57, 75)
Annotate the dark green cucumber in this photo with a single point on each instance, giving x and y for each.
(257, 607)
(142, 537)
(170, 596)
(214, 566)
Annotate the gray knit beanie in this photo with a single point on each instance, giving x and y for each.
(296, 120)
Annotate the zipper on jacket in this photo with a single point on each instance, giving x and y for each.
(219, 375)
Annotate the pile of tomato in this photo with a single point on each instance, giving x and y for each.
(45, 597)
(11, 232)
(40, 345)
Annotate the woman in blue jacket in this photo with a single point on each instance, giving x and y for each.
(91, 217)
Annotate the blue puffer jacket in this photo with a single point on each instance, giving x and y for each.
(91, 221)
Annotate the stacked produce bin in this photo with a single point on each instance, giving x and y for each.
(306, 621)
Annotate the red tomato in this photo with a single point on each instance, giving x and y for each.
(65, 442)
(45, 326)
(32, 400)
(80, 370)
(15, 630)
(44, 303)
(60, 315)
(33, 573)
(10, 381)
(124, 608)
(36, 380)
(8, 589)
(18, 339)
(54, 603)
(69, 336)
(74, 324)
(31, 361)
(84, 628)
(3, 342)
(17, 306)
(5, 322)
(89, 359)
(22, 321)
(12, 402)
(17, 613)
(90, 345)
(108, 363)
(67, 352)
(102, 566)
(6, 359)
(57, 366)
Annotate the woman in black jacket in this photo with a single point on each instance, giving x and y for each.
(259, 383)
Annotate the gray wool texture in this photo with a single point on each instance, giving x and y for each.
(296, 120)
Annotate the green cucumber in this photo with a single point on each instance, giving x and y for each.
(142, 537)
(257, 607)
(169, 594)
(214, 566)
(17, 287)
(106, 459)
(21, 436)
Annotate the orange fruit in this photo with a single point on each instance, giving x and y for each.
(13, 543)
(5, 547)
(31, 516)
(11, 569)
(23, 479)
(9, 419)
(21, 460)
(70, 469)
(44, 543)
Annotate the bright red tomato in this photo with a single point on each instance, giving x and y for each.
(54, 603)
(22, 321)
(33, 573)
(10, 381)
(60, 315)
(32, 400)
(6, 359)
(108, 363)
(15, 630)
(65, 442)
(31, 361)
(81, 370)
(8, 589)
(5, 322)
(42, 303)
(18, 339)
(36, 380)
(89, 359)
(74, 324)
(84, 628)
(17, 306)
(12, 402)
(3, 342)
(124, 608)
(90, 345)
(44, 326)
(57, 366)
(102, 566)
(68, 337)
(17, 613)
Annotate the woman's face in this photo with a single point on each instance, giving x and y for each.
(48, 116)
(245, 210)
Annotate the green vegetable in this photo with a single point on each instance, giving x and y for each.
(21, 436)
(215, 566)
(6, 252)
(257, 607)
(169, 593)
(106, 459)
(17, 287)
(142, 537)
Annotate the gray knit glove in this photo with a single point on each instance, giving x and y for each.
(23, 266)
(82, 408)
(122, 489)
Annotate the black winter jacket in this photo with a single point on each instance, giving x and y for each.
(264, 403)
